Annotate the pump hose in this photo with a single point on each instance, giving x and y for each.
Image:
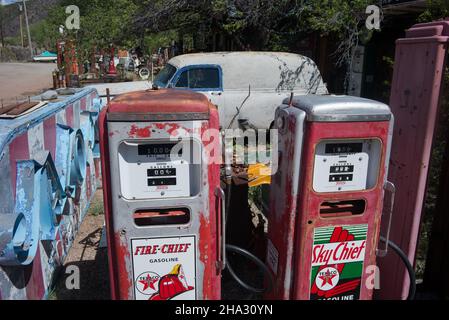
(408, 265)
(245, 253)
(256, 260)
(262, 265)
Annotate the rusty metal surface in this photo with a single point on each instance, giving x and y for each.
(19, 108)
(295, 206)
(149, 116)
(418, 70)
(168, 101)
(312, 201)
(205, 213)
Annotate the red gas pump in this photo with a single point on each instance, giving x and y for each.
(162, 196)
(112, 70)
(327, 197)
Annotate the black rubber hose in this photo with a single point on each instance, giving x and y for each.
(408, 265)
(257, 261)
(243, 252)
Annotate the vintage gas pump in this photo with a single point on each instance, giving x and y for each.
(327, 197)
(162, 194)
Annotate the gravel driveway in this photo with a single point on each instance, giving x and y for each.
(20, 80)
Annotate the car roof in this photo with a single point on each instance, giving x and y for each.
(260, 69)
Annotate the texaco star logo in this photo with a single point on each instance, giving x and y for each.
(327, 278)
(147, 283)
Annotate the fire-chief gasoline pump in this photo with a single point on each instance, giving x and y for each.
(163, 201)
(327, 197)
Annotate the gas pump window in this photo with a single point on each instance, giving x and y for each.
(346, 165)
(163, 169)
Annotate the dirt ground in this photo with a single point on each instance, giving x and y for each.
(20, 80)
(91, 260)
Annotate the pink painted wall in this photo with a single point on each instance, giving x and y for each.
(418, 69)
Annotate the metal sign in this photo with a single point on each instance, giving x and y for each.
(164, 268)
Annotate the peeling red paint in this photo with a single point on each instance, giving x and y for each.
(125, 280)
(140, 132)
(35, 288)
(205, 240)
(299, 215)
(88, 183)
(173, 128)
(205, 213)
(18, 150)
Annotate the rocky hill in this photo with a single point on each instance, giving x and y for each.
(37, 10)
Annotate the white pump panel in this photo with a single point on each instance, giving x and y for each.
(346, 165)
(152, 170)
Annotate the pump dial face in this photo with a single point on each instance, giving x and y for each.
(346, 165)
(150, 170)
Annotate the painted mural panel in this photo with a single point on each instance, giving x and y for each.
(48, 175)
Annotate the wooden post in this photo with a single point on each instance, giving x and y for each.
(415, 92)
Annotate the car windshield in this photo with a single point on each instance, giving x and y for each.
(164, 76)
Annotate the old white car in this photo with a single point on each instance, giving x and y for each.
(247, 86)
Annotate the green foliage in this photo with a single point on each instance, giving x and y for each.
(96, 208)
(102, 22)
(333, 15)
(12, 41)
(260, 25)
(436, 9)
(162, 39)
(45, 35)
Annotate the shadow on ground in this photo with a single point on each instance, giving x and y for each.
(91, 260)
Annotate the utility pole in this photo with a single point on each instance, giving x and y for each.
(28, 29)
(21, 24)
(2, 38)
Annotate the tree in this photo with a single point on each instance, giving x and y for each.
(261, 24)
(435, 9)
(102, 22)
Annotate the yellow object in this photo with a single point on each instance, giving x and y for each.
(258, 174)
(175, 269)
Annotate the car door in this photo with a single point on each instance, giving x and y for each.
(206, 79)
